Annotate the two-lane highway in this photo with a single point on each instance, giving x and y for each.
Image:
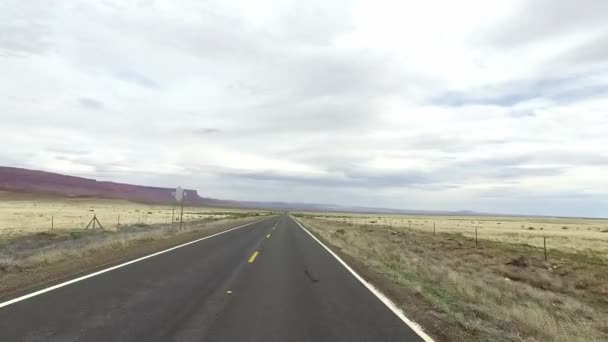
(268, 281)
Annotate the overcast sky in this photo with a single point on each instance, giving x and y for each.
(495, 106)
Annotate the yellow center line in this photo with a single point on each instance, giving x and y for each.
(268, 236)
(253, 256)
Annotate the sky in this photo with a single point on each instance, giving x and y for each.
(492, 106)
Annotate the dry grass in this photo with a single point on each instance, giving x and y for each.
(565, 234)
(39, 249)
(27, 241)
(26, 214)
(462, 293)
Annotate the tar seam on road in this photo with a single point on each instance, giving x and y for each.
(54, 287)
(383, 298)
(253, 256)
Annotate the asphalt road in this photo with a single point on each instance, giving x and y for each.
(269, 281)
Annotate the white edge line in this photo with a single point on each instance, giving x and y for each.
(54, 287)
(383, 298)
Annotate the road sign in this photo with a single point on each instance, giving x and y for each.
(179, 194)
(179, 197)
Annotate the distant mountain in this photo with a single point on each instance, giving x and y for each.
(31, 181)
(318, 207)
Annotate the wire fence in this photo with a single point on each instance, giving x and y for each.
(21, 222)
(549, 234)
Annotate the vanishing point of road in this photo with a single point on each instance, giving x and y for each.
(267, 281)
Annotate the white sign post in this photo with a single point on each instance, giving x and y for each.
(180, 194)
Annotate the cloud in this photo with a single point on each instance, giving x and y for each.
(206, 131)
(389, 104)
(90, 103)
(544, 20)
(557, 89)
(592, 50)
(25, 28)
(365, 179)
(136, 78)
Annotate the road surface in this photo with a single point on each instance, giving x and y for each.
(269, 281)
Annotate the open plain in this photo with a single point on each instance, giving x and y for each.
(28, 213)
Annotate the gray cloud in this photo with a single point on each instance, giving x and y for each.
(25, 27)
(90, 103)
(249, 89)
(546, 19)
(558, 89)
(206, 131)
(519, 113)
(360, 179)
(334, 75)
(519, 172)
(448, 143)
(67, 151)
(592, 51)
(311, 25)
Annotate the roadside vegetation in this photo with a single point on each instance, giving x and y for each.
(495, 291)
(33, 256)
(23, 214)
(576, 235)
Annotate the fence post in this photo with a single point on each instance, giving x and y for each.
(52, 223)
(433, 228)
(475, 236)
(545, 246)
(119, 220)
(94, 221)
